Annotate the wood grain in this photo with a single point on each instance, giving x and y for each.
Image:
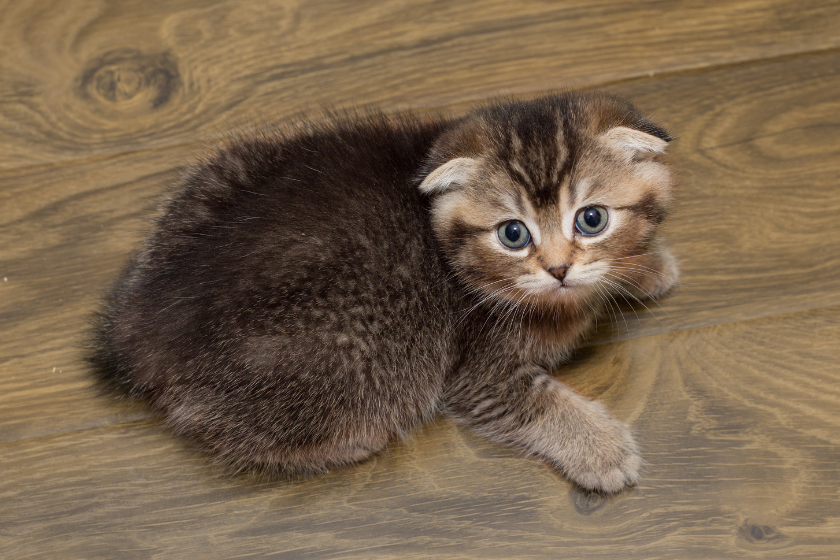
(88, 79)
(738, 422)
(732, 385)
(745, 249)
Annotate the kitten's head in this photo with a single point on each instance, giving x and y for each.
(548, 201)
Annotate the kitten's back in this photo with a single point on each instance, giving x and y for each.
(290, 279)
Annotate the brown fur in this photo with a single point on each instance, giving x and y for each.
(305, 298)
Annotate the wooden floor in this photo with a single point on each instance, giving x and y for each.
(732, 385)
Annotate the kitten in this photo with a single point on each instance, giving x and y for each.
(307, 297)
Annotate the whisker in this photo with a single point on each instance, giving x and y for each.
(621, 289)
(620, 312)
(521, 312)
(595, 312)
(621, 277)
(632, 256)
(642, 303)
(604, 297)
(504, 303)
(638, 268)
(487, 297)
(511, 309)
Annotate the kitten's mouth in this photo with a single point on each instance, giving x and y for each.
(560, 290)
(562, 285)
(565, 292)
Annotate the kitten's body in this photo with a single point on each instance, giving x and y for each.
(305, 299)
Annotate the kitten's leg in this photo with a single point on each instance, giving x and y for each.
(650, 276)
(531, 410)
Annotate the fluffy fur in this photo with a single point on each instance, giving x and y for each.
(307, 297)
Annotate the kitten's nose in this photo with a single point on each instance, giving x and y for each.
(559, 272)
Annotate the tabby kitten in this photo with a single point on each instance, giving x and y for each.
(307, 297)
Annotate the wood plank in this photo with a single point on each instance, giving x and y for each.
(89, 79)
(65, 233)
(739, 424)
(746, 136)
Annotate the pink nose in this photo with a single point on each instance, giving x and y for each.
(559, 272)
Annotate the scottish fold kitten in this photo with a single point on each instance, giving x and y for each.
(308, 296)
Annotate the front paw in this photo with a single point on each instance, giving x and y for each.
(600, 453)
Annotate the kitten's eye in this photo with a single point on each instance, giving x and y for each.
(513, 234)
(592, 220)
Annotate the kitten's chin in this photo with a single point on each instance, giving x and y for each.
(563, 295)
(549, 298)
(577, 296)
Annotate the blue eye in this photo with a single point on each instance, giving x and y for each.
(513, 234)
(592, 220)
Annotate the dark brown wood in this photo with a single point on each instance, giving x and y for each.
(80, 80)
(731, 383)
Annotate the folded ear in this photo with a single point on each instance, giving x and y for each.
(453, 173)
(633, 144)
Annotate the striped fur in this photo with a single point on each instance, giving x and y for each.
(308, 296)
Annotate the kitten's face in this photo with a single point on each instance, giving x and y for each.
(541, 214)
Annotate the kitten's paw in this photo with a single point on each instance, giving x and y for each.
(611, 468)
(601, 454)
